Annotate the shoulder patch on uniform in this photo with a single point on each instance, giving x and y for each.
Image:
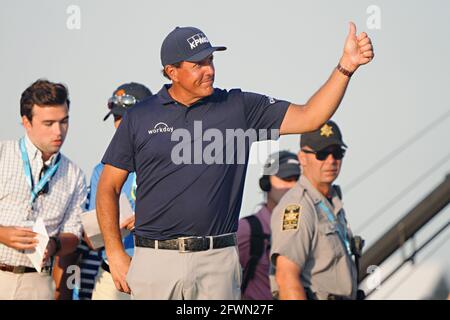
(291, 217)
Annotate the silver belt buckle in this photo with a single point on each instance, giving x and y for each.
(182, 243)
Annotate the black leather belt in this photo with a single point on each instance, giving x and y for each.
(188, 244)
(312, 296)
(21, 269)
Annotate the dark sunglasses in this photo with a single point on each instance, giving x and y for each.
(124, 101)
(321, 155)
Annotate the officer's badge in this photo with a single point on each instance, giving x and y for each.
(326, 130)
(291, 217)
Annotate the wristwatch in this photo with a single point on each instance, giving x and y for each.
(57, 243)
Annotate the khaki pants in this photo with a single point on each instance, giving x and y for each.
(26, 286)
(213, 274)
(105, 288)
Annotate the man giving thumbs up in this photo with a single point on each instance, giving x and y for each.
(190, 212)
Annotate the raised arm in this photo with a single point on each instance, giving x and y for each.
(321, 106)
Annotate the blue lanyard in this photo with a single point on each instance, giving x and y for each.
(44, 180)
(342, 230)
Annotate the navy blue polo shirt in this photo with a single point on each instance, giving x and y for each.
(192, 197)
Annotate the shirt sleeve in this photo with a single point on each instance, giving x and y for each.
(292, 237)
(243, 237)
(93, 186)
(72, 217)
(263, 112)
(120, 152)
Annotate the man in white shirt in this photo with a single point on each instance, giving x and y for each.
(37, 181)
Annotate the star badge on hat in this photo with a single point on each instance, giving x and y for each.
(326, 130)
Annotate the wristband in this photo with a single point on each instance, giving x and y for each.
(344, 71)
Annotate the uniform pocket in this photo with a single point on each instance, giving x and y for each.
(330, 232)
(327, 228)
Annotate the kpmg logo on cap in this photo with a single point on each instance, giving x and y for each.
(160, 127)
(197, 39)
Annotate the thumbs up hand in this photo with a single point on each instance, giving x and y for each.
(358, 50)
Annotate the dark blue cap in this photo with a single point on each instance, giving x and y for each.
(283, 164)
(186, 44)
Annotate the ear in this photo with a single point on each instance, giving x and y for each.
(302, 158)
(172, 72)
(26, 123)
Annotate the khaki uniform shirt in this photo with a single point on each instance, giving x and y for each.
(303, 232)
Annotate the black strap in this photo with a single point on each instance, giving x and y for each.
(357, 245)
(338, 191)
(257, 249)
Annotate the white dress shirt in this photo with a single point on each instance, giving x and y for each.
(60, 208)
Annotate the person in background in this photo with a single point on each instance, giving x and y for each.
(38, 182)
(123, 98)
(312, 244)
(281, 172)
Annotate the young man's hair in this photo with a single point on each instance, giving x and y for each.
(43, 93)
(176, 65)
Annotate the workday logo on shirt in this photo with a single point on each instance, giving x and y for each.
(160, 127)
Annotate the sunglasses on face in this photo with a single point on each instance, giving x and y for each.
(321, 155)
(124, 101)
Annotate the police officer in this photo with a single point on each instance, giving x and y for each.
(311, 240)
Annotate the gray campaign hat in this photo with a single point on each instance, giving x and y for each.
(283, 164)
(186, 44)
(327, 135)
